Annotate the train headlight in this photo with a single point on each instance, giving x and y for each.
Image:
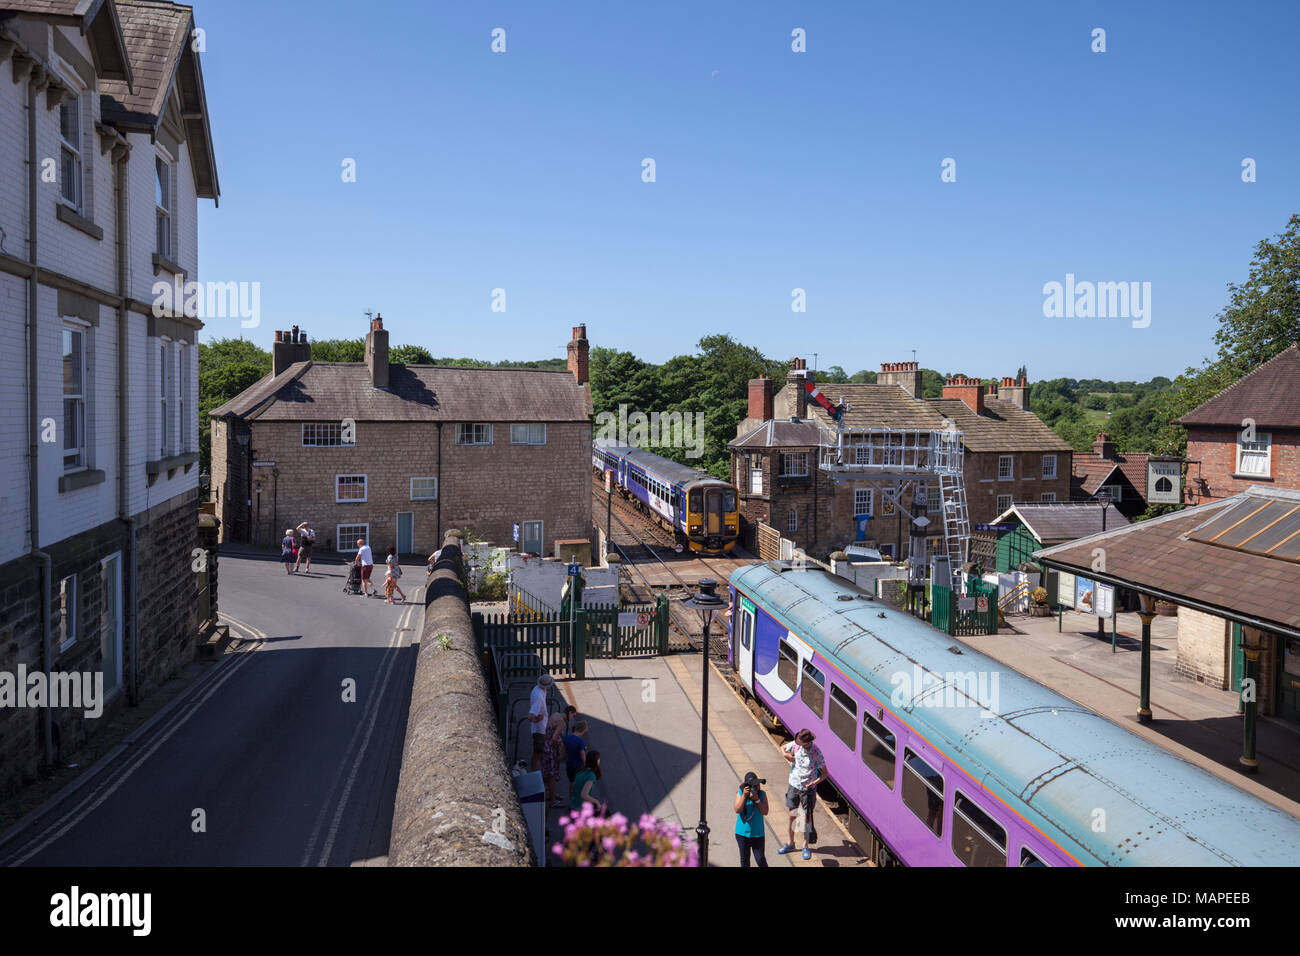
(696, 528)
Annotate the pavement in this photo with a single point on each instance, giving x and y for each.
(263, 760)
(644, 718)
(1197, 722)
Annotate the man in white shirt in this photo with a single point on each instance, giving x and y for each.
(366, 560)
(538, 717)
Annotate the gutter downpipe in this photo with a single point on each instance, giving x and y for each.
(130, 628)
(438, 536)
(33, 405)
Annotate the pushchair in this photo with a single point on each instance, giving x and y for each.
(353, 584)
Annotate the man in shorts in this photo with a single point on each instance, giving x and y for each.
(366, 560)
(538, 717)
(807, 770)
(306, 537)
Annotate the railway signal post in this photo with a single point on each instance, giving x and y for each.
(707, 602)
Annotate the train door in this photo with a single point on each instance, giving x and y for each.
(713, 499)
(742, 638)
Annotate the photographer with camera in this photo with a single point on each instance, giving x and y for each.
(751, 808)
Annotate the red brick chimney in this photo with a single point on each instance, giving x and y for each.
(579, 349)
(760, 399)
(969, 390)
(377, 352)
(1103, 447)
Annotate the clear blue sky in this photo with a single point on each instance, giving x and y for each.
(775, 170)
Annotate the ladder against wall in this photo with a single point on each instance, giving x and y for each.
(894, 459)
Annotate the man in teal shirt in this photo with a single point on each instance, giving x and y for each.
(751, 808)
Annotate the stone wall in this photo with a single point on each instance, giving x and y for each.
(1204, 643)
(456, 803)
(168, 590)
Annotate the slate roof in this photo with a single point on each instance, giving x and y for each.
(1270, 395)
(333, 391)
(1158, 555)
(98, 20)
(155, 33)
(780, 433)
(1090, 470)
(1056, 523)
(871, 406)
(43, 8)
(1004, 427)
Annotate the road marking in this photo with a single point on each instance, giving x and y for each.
(78, 814)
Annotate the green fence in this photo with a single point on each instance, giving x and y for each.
(947, 614)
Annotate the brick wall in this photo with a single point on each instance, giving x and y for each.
(1204, 643)
(1212, 456)
(983, 486)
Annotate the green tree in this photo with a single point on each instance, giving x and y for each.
(404, 355)
(226, 368)
(338, 350)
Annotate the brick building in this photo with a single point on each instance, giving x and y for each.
(1248, 434)
(1010, 455)
(397, 454)
(98, 388)
(1132, 480)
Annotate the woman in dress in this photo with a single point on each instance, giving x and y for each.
(553, 759)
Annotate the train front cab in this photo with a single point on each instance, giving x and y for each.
(712, 518)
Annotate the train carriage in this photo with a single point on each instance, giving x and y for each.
(701, 510)
(948, 757)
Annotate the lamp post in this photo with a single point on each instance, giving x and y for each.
(1251, 646)
(1103, 499)
(707, 602)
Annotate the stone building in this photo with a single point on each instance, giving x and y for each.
(105, 150)
(1248, 434)
(1009, 456)
(398, 454)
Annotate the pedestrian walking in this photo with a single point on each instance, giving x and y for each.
(538, 717)
(807, 770)
(553, 759)
(433, 559)
(751, 829)
(286, 550)
(394, 575)
(575, 751)
(585, 781)
(306, 539)
(365, 560)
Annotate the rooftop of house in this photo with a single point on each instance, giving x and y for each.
(333, 391)
(1091, 471)
(1266, 396)
(1226, 566)
(780, 433)
(1004, 427)
(1052, 523)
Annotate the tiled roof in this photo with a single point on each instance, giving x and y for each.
(1053, 523)
(1092, 470)
(780, 433)
(155, 33)
(333, 391)
(1004, 426)
(42, 8)
(1157, 554)
(870, 406)
(1269, 395)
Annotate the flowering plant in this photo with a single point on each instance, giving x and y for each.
(591, 839)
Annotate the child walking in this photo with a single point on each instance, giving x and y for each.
(390, 579)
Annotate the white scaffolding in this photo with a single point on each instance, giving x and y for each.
(895, 459)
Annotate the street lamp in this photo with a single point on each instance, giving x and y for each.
(1103, 499)
(707, 602)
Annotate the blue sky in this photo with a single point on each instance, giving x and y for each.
(775, 170)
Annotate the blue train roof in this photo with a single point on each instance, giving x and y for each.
(665, 468)
(1057, 762)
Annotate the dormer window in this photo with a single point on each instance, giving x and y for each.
(70, 185)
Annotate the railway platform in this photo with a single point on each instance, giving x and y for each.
(644, 719)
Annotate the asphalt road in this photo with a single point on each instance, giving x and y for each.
(285, 771)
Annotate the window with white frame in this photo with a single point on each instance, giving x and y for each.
(163, 206)
(1005, 469)
(163, 445)
(74, 398)
(792, 521)
(183, 394)
(756, 476)
(862, 501)
(472, 434)
(67, 612)
(1254, 457)
(1004, 502)
(347, 535)
(794, 464)
(323, 434)
(534, 434)
(1047, 497)
(349, 488)
(1049, 466)
(934, 545)
(1116, 492)
(71, 186)
(933, 500)
(424, 489)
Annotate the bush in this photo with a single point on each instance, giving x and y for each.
(1039, 594)
(493, 587)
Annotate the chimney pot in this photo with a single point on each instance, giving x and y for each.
(579, 352)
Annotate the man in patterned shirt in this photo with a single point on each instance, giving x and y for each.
(807, 770)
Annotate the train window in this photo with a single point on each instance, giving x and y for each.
(1028, 859)
(813, 691)
(878, 749)
(843, 717)
(977, 839)
(696, 502)
(787, 665)
(729, 500)
(923, 791)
